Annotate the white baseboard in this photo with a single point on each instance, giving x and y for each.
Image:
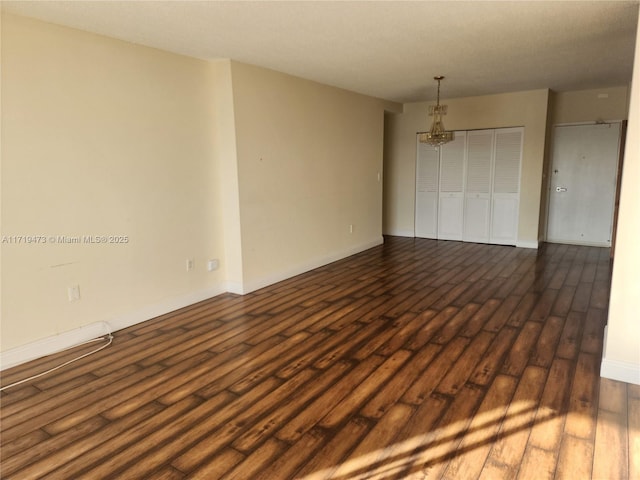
(257, 284)
(617, 370)
(49, 345)
(527, 244)
(621, 371)
(57, 343)
(71, 338)
(401, 233)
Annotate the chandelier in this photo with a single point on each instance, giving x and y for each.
(437, 135)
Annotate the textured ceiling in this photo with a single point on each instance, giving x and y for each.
(387, 49)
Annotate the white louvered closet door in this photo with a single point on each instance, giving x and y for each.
(477, 198)
(427, 173)
(506, 186)
(451, 198)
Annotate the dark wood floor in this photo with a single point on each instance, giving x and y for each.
(416, 359)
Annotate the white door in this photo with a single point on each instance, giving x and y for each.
(451, 198)
(427, 173)
(477, 197)
(506, 186)
(582, 184)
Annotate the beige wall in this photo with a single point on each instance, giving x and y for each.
(309, 156)
(528, 109)
(622, 349)
(102, 137)
(604, 104)
(226, 165)
(188, 159)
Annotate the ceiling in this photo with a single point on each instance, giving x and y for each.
(386, 49)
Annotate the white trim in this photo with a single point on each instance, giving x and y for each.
(234, 287)
(527, 244)
(49, 345)
(152, 311)
(578, 242)
(307, 266)
(401, 233)
(577, 124)
(621, 371)
(71, 338)
(617, 370)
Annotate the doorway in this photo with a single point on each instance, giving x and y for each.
(582, 184)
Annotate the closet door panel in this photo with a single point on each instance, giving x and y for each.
(506, 186)
(451, 188)
(477, 207)
(427, 174)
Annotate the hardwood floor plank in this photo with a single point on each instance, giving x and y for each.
(222, 464)
(432, 322)
(537, 464)
(634, 434)
(593, 333)
(71, 459)
(502, 314)
(369, 456)
(518, 357)
(488, 366)
(549, 422)
(523, 310)
(41, 453)
(611, 448)
(480, 317)
(255, 462)
(474, 448)
(453, 326)
(495, 471)
(462, 369)
(299, 454)
(582, 297)
(174, 438)
(439, 446)
(545, 348)
(407, 326)
(543, 307)
(391, 393)
(45, 400)
(414, 359)
(151, 389)
(564, 300)
(583, 402)
(511, 441)
(327, 459)
(331, 398)
(68, 413)
(365, 390)
(571, 337)
(273, 421)
(575, 459)
(427, 382)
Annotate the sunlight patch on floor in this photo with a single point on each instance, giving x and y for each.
(422, 450)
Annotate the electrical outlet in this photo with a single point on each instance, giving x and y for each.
(189, 264)
(213, 264)
(73, 292)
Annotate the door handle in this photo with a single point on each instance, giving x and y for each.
(561, 189)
